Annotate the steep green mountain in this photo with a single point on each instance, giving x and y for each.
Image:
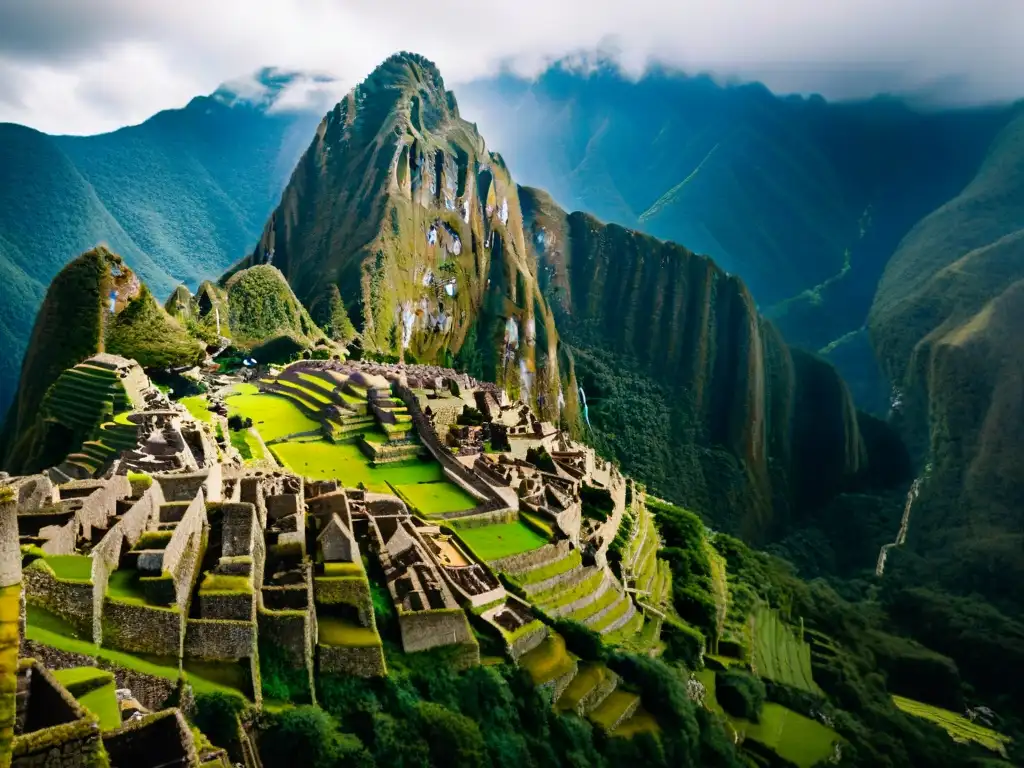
(398, 207)
(803, 199)
(946, 324)
(687, 385)
(94, 304)
(180, 196)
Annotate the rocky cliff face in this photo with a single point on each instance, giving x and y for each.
(398, 204)
(946, 324)
(756, 433)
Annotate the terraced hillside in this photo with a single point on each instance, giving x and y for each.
(96, 304)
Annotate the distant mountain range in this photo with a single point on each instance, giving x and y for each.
(804, 199)
(180, 197)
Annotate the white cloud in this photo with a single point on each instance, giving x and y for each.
(94, 65)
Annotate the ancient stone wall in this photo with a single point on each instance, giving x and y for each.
(483, 519)
(422, 630)
(219, 639)
(151, 692)
(289, 631)
(60, 539)
(70, 600)
(135, 520)
(181, 487)
(238, 529)
(456, 471)
(142, 628)
(525, 561)
(10, 551)
(365, 661)
(72, 745)
(191, 522)
(235, 606)
(100, 505)
(526, 643)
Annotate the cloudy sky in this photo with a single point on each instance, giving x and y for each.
(85, 66)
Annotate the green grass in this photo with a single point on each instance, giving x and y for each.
(79, 678)
(548, 661)
(436, 498)
(153, 540)
(545, 572)
(778, 654)
(958, 727)
(792, 736)
(343, 569)
(323, 460)
(613, 615)
(316, 381)
(197, 406)
(641, 721)
(274, 416)
(218, 676)
(216, 582)
(124, 586)
(98, 693)
(538, 522)
(310, 396)
(607, 597)
(561, 596)
(588, 677)
(492, 542)
(332, 630)
(71, 567)
(612, 708)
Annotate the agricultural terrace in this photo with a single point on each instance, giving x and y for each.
(493, 542)
(958, 727)
(274, 417)
(778, 654)
(421, 483)
(793, 737)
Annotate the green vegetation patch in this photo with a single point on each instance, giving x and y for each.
(436, 498)
(958, 727)
(197, 405)
(641, 721)
(71, 567)
(802, 741)
(610, 711)
(273, 416)
(779, 654)
(493, 542)
(96, 690)
(153, 540)
(548, 661)
(324, 460)
(557, 568)
(230, 677)
(332, 630)
(343, 569)
(220, 583)
(587, 677)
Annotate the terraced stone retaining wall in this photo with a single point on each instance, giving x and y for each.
(366, 661)
(72, 601)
